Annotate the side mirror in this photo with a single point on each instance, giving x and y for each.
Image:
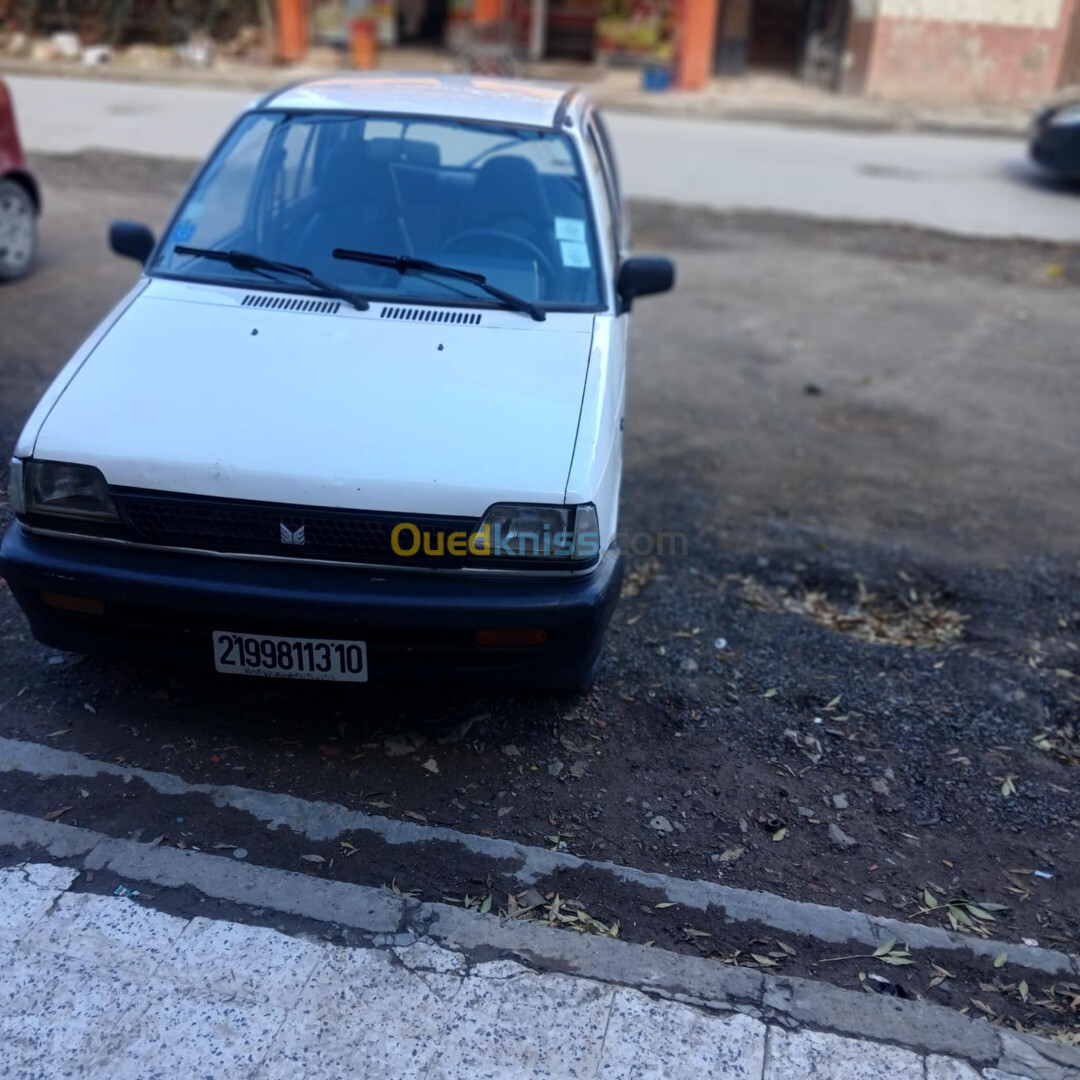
(643, 275)
(131, 239)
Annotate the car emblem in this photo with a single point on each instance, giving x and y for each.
(295, 536)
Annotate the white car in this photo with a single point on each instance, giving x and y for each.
(361, 416)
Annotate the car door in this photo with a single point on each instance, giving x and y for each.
(10, 153)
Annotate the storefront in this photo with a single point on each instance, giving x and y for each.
(330, 19)
(944, 49)
(802, 37)
(609, 31)
(799, 37)
(636, 32)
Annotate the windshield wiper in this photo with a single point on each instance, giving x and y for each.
(243, 260)
(404, 263)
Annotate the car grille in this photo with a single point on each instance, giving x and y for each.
(255, 528)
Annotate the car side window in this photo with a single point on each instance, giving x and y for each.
(592, 148)
(611, 184)
(609, 156)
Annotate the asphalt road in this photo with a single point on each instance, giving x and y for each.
(879, 417)
(971, 186)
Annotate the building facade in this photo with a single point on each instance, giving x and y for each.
(961, 50)
(932, 50)
(980, 50)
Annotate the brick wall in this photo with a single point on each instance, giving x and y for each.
(981, 50)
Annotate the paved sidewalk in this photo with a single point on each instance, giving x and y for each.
(104, 986)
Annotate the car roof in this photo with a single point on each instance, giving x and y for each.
(525, 102)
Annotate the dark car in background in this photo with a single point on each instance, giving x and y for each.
(20, 197)
(1055, 139)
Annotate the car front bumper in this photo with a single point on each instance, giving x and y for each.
(1057, 148)
(166, 604)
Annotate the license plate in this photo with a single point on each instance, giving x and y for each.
(290, 658)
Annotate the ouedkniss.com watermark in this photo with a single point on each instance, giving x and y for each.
(408, 539)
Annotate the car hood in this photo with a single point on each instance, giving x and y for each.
(192, 391)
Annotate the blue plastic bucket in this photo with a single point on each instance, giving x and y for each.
(655, 78)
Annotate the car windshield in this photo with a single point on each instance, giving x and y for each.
(507, 203)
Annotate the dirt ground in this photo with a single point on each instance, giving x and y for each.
(858, 686)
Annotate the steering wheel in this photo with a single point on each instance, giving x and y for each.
(459, 240)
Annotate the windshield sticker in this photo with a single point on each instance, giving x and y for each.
(575, 254)
(568, 228)
(184, 232)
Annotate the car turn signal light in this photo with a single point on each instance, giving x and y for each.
(82, 605)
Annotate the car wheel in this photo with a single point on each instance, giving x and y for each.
(18, 230)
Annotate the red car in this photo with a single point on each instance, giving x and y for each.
(20, 198)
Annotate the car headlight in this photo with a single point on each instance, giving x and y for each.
(1068, 116)
(53, 487)
(514, 534)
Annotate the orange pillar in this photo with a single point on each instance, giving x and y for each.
(363, 43)
(292, 27)
(696, 30)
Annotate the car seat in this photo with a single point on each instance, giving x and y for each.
(356, 208)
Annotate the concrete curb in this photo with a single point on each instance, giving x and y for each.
(324, 822)
(831, 119)
(257, 81)
(920, 1026)
(844, 114)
